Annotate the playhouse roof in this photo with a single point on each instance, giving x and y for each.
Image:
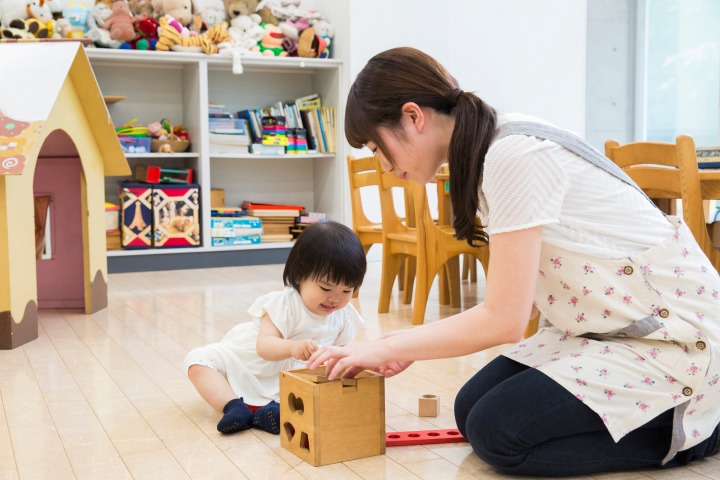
(32, 78)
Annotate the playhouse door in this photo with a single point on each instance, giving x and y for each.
(60, 278)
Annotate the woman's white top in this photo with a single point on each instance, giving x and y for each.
(529, 182)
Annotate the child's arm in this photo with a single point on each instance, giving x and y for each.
(272, 346)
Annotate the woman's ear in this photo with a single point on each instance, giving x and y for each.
(413, 116)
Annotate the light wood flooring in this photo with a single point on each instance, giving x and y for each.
(104, 396)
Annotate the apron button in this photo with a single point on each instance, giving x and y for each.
(628, 270)
(664, 313)
(701, 345)
(687, 391)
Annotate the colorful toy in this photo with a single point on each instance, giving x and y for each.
(76, 12)
(100, 14)
(39, 17)
(333, 421)
(17, 30)
(423, 437)
(272, 42)
(121, 23)
(66, 123)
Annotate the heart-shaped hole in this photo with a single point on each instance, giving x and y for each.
(289, 430)
(296, 404)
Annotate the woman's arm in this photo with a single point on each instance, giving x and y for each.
(272, 346)
(502, 318)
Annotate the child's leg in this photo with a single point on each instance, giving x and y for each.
(206, 371)
(212, 386)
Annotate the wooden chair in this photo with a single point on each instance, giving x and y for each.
(668, 171)
(363, 172)
(430, 245)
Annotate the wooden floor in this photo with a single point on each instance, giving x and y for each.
(104, 396)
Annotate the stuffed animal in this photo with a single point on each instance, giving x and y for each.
(245, 33)
(11, 10)
(17, 30)
(62, 28)
(310, 44)
(100, 36)
(141, 7)
(180, 10)
(39, 17)
(236, 8)
(77, 13)
(326, 31)
(271, 43)
(121, 23)
(211, 11)
(170, 37)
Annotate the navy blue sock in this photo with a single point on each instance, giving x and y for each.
(268, 418)
(237, 417)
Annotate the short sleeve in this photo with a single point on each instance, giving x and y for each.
(351, 325)
(280, 307)
(524, 185)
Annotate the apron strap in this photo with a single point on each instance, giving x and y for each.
(570, 142)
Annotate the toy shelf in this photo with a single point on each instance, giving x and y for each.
(179, 86)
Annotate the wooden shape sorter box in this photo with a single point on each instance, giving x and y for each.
(329, 421)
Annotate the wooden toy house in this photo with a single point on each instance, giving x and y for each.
(57, 144)
(325, 422)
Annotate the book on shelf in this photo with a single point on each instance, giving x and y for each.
(259, 149)
(228, 212)
(246, 204)
(308, 102)
(244, 222)
(285, 237)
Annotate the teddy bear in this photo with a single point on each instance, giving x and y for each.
(180, 10)
(100, 36)
(121, 23)
(235, 8)
(245, 32)
(211, 11)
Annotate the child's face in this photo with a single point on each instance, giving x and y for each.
(322, 297)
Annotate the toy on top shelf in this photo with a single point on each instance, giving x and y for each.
(121, 23)
(155, 174)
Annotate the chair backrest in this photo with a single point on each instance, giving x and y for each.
(393, 222)
(362, 172)
(669, 171)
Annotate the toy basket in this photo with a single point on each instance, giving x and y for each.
(173, 142)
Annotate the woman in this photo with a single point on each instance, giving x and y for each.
(627, 374)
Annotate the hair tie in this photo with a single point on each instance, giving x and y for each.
(455, 94)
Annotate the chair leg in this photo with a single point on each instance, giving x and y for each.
(466, 267)
(444, 285)
(452, 268)
(408, 279)
(473, 268)
(423, 281)
(390, 268)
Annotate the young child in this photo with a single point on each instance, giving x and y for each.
(239, 375)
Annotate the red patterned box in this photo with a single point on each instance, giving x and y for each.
(137, 219)
(176, 215)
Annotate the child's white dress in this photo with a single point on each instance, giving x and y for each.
(256, 379)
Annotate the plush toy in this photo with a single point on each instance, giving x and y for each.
(39, 17)
(326, 31)
(245, 33)
(13, 10)
(121, 23)
(147, 30)
(17, 30)
(271, 43)
(236, 8)
(62, 28)
(211, 11)
(180, 10)
(310, 44)
(76, 12)
(170, 37)
(100, 14)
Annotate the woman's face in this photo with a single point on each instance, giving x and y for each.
(418, 148)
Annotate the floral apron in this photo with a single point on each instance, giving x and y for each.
(630, 337)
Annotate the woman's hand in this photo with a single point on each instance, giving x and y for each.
(302, 349)
(347, 361)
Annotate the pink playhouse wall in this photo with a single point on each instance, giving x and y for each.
(59, 173)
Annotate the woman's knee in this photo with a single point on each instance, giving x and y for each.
(493, 438)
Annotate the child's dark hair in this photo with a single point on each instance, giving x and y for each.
(400, 75)
(327, 251)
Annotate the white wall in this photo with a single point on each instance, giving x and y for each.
(524, 56)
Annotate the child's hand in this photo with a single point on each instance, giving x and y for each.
(303, 349)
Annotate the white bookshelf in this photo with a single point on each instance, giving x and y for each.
(179, 87)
